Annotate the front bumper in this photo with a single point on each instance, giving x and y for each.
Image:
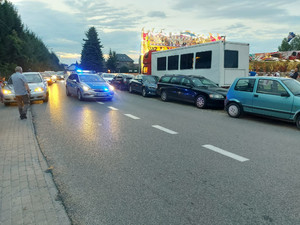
(98, 95)
(35, 96)
(151, 91)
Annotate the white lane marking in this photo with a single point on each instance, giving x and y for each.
(132, 116)
(112, 108)
(101, 103)
(164, 129)
(226, 153)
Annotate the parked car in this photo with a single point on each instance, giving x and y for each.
(195, 89)
(275, 97)
(144, 84)
(38, 88)
(60, 75)
(121, 81)
(88, 86)
(108, 77)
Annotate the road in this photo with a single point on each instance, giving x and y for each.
(138, 160)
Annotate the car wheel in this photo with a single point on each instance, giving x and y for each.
(68, 92)
(234, 110)
(79, 95)
(47, 98)
(201, 102)
(298, 121)
(130, 89)
(144, 93)
(164, 96)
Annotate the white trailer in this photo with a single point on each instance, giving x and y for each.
(219, 61)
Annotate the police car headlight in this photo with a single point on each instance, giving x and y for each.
(86, 88)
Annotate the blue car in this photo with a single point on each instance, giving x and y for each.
(88, 86)
(269, 96)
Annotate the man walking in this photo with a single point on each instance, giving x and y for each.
(22, 91)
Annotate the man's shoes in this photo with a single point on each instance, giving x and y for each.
(23, 117)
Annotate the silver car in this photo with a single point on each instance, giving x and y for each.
(38, 88)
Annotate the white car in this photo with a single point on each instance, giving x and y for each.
(107, 77)
(38, 88)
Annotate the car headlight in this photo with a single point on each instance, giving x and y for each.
(38, 89)
(111, 88)
(6, 92)
(85, 88)
(216, 96)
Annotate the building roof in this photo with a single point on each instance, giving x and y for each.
(123, 58)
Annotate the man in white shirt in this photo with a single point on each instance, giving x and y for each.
(22, 91)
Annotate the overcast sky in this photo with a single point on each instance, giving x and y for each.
(62, 24)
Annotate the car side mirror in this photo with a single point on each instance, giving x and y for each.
(285, 94)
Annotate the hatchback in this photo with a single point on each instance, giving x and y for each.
(88, 86)
(268, 96)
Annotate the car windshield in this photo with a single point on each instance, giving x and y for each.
(33, 78)
(200, 82)
(151, 79)
(293, 86)
(90, 78)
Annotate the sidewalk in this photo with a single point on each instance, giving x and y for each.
(27, 192)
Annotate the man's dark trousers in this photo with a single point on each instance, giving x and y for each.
(23, 102)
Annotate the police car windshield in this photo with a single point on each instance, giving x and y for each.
(90, 78)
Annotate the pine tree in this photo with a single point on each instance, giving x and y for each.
(293, 45)
(111, 63)
(91, 55)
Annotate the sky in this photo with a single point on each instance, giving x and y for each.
(62, 24)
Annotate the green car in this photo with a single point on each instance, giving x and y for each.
(269, 96)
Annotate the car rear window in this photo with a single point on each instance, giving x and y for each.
(165, 79)
(245, 85)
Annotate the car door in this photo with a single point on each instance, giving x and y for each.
(138, 83)
(173, 88)
(272, 99)
(74, 84)
(185, 91)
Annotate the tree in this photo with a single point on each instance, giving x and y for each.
(91, 55)
(111, 63)
(293, 45)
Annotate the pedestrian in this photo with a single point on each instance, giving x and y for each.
(252, 73)
(277, 74)
(22, 91)
(295, 75)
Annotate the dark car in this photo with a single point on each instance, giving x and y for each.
(121, 81)
(195, 89)
(88, 86)
(144, 84)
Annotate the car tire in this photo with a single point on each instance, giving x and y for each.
(164, 96)
(79, 95)
(298, 121)
(68, 92)
(130, 89)
(47, 98)
(201, 102)
(234, 110)
(144, 93)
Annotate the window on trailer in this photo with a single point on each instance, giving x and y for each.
(161, 63)
(231, 59)
(173, 62)
(203, 60)
(186, 61)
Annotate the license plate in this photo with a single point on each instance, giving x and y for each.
(101, 94)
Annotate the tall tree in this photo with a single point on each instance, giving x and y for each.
(294, 44)
(91, 55)
(111, 63)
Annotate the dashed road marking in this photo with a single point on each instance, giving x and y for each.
(164, 129)
(132, 116)
(101, 103)
(112, 108)
(226, 153)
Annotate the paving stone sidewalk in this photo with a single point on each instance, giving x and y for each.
(27, 193)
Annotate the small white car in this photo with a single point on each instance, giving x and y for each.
(38, 88)
(108, 77)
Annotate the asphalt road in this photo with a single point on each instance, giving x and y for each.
(145, 161)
